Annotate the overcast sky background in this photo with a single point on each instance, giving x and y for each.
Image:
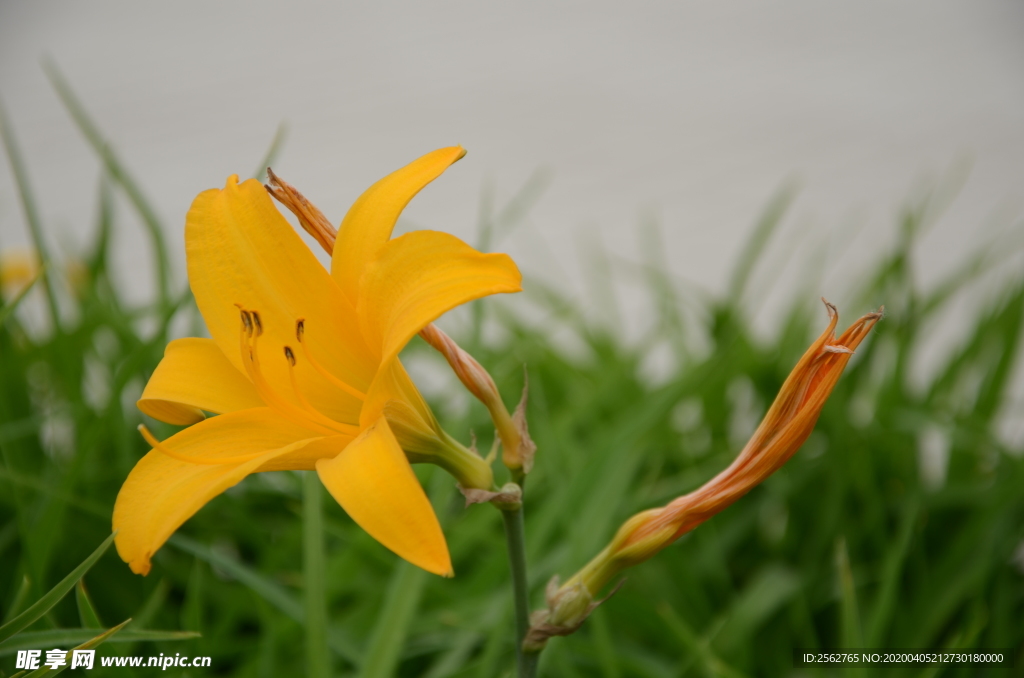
(692, 114)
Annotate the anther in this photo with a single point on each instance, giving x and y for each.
(300, 329)
(246, 321)
(257, 323)
(289, 355)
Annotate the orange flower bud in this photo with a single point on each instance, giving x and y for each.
(309, 215)
(517, 446)
(783, 430)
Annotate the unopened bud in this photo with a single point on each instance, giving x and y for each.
(310, 217)
(784, 429)
(517, 447)
(568, 606)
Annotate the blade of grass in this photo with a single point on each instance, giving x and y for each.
(315, 588)
(19, 598)
(760, 599)
(118, 173)
(192, 608)
(770, 219)
(99, 257)
(148, 611)
(711, 665)
(44, 604)
(57, 637)
(41, 486)
(86, 610)
(28, 204)
(267, 589)
(88, 645)
(8, 309)
(851, 633)
(153, 603)
(388, 637)
(605, 645)
(888, 593)
(272, 151)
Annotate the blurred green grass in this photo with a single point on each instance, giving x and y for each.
(849, 545)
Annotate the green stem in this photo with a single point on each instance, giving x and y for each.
(515, 535)
(317, 659)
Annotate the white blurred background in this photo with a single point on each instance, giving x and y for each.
(691, 115)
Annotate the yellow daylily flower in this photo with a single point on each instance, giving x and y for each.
(303, 364)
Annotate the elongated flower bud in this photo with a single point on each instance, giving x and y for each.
(517, 446)
(309, 215)
(783, 430)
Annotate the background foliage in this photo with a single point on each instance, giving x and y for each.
(849, 545)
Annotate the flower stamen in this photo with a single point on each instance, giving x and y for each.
(300, 335)
(218, 461)
(314, 413)
(252, 328)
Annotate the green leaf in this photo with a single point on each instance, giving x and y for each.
(268, 590)
(118, 173)
(888, 594)
(19, 598)
(318, 662)
(28, 204)
(389, 633)
(766, 226)
(88, 645)
(851, 630)
(28, 640)
(698, 648)
(272, 151)
(53, 596)
(86, 611)
(8, 309)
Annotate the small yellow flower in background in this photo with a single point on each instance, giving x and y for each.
(783, 430)
(303, 364)
(17, 269)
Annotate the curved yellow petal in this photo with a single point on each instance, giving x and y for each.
(193, 376)
(394, 383)
(162, 492)
(417, 277)
(241, 252)
(372, 217)
(373, 482)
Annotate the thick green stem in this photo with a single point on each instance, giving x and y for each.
(317, 659)
(515, 534)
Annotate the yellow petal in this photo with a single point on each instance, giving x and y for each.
(417, 277)
(369, 221)
(373, 482)
(162, 492)
(393, 383)
(193, 376)
(242, 252)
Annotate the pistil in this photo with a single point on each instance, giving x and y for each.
(217, 461)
